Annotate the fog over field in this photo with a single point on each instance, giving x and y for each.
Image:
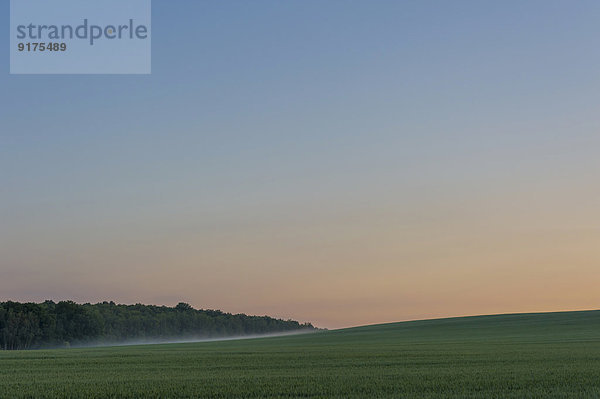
(186, 340)
(279, 199)
(548, 355)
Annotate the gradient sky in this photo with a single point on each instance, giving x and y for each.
(339, 162)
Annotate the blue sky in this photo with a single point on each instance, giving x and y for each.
(313, 143)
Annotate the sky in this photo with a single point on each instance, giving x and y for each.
(339, 162)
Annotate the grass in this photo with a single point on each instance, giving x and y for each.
(548, 355)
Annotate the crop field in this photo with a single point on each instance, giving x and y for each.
(551, 355)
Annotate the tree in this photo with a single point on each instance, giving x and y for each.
(30, 325)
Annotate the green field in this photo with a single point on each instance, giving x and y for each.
(551, 355)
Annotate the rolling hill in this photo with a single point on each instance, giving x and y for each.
(544, 355)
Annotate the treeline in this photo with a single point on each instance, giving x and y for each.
(66, 323)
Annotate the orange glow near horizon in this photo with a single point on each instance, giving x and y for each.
(352, 269)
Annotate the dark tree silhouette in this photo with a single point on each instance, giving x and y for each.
(49, 324)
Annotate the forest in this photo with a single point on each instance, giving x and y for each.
(66, 323)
